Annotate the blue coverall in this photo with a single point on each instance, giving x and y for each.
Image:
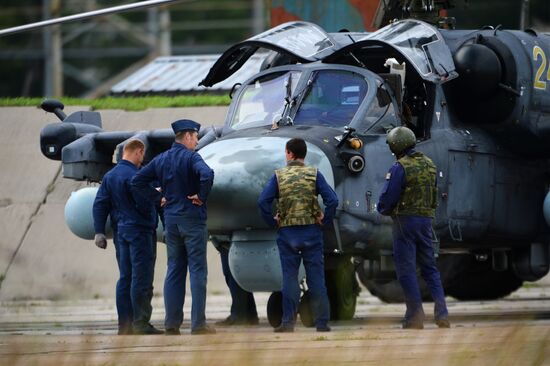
(301, 242)
(412, 243)
(181, 173)
(135, 251)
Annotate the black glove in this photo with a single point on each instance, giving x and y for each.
(100, 241)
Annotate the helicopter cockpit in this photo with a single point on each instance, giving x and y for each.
(342, 93)
(424, 57)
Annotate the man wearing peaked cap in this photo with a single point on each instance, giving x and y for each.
(185, 181)
(243, 306)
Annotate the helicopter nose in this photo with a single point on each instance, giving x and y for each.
(242, 167)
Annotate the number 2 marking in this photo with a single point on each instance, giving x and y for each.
(540, 83)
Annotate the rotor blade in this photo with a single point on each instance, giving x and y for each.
(89, 14)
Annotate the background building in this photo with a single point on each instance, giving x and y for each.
(87, 58)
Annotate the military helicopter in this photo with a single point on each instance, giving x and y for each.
(477, 100)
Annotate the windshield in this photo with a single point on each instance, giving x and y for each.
(262, 101)
(332, 99)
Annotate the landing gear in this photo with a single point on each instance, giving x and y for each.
(478, 281)
(463, 277)
(342, 288)
(304, 309)
(389, 290)
(275, 309)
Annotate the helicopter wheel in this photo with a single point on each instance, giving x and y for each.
(462, 276)
(342, 288)
(478, 281)
(304, 309)
(275, 309)
(390, 291)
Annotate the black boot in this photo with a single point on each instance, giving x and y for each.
(147, 329)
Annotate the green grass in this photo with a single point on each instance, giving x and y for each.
(127, 103)
(320, 338)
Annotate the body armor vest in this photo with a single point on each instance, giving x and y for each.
(298, 203)
(419, 197)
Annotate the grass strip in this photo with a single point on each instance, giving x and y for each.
(127, 103)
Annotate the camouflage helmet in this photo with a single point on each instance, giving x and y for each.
(400, 139)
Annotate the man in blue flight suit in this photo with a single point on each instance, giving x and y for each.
(299, 237)
(135, 224)
(409, 196)
(243, 306)
(185, 182)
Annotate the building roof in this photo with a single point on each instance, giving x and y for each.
(182, 74)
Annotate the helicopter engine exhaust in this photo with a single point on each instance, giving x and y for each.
(479, 69)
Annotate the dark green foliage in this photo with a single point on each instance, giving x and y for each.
(101, 52)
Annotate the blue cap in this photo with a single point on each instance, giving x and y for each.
(185, 125)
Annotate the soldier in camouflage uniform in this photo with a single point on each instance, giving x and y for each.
(299, 237)
(409, 196)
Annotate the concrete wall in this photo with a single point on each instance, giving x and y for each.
(39, 257)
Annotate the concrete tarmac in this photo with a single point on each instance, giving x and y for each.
(511, 331)
(524, 345)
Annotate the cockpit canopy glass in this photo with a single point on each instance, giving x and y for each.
(332, 98)
(262, 101)
(408, 37)
(299, 38)
(421, 44)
